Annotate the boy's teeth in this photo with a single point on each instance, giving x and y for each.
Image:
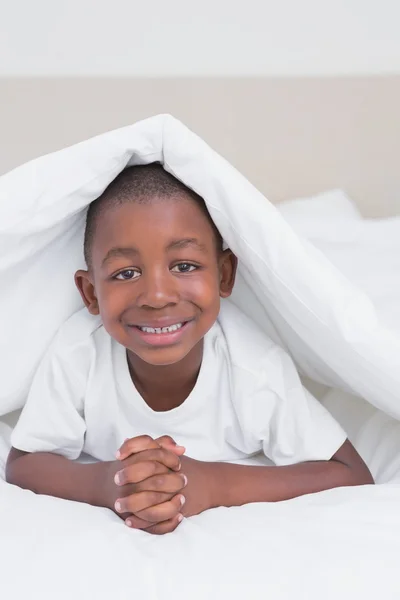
(161, 329)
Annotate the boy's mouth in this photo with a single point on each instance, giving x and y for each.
(158, 330)
(161, 336)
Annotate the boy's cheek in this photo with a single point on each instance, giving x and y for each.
(203, 292)
(110, 313)
(113, 301)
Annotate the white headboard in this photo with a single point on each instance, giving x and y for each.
(291, 137)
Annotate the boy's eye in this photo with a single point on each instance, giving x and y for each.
(127, 274)
(183, 268)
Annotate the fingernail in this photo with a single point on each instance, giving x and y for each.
(118, 506)
(184, 479)
(129, 523)
(182, 500)
(117, 479)
(179, 467)
(180, 518)
(118, 454)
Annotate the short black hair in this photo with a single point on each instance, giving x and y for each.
(140, 184)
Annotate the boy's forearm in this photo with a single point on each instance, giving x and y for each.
(54, 475)
(235, 485)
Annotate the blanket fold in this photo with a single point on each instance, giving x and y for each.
(285, 284)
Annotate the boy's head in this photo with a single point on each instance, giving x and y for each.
(156, 267)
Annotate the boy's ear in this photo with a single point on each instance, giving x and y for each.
(227, 268)
(84, 283)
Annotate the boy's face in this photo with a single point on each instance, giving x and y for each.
(157, 277)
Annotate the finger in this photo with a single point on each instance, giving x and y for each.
(160, 455)
(162, 511)
(135, 522)
(169, 483)
(134, 503)
(136, 444)
(165, 526)
(167, 442)
(137, 472)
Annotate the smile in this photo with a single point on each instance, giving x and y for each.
(161, 336)
(158, 330)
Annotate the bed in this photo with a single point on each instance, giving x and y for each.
(341, 543)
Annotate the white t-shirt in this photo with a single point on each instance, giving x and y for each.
(248, 399)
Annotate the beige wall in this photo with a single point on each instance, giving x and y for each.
(290, 137)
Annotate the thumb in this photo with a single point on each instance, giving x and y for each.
(167, 442)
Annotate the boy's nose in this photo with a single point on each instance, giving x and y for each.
(158, 291)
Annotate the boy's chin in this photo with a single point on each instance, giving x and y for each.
(162, 357)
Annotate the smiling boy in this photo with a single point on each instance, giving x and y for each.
(157, 357)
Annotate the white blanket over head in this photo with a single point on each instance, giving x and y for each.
(342, 543)
(330, 327)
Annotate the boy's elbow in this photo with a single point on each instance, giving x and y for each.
(357, 472)
(9, 476)
(11, 473)
(360, 476)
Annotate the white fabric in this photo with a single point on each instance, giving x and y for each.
(290, 290)
(328, 208)
(366, 251)
(375, 434)
(343, 543)
(248, 399)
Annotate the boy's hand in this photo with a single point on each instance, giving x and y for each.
(146, 442)
(149, 484)
(201, 493)
(203, 483)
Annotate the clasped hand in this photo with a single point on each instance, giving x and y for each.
(155, 486)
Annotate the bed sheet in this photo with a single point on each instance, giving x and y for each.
(342, 543)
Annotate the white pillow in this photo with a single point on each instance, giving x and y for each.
(331, 204)
(285, 284)
(320, 216)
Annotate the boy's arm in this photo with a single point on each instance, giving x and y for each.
(54, 475)
(155, 499)
(221, 484)
(234, 485)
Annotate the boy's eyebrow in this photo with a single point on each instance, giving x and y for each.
(115, 252)
(129, 252)
(186, 243)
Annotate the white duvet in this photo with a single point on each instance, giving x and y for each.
(343, 543)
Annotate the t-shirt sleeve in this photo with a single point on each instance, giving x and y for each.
(53, 417)
(285, 420)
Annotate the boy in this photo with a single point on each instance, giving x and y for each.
(156, 359)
